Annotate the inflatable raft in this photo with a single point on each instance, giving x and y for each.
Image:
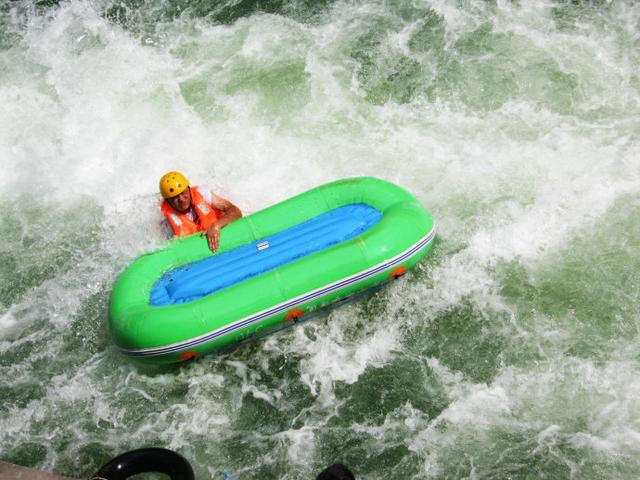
(272, 268)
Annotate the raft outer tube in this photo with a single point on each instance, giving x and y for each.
(272, 267)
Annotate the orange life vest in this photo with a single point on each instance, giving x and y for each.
(180, 223)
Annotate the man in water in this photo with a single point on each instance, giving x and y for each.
(190, 209)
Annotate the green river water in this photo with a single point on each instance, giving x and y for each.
(511, 352)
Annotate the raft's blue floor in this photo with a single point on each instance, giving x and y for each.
(193, 281)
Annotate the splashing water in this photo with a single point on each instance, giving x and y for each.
(511, 352)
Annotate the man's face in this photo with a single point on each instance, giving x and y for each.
(182, 201)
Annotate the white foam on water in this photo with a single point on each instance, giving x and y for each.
(331, 359)
(301, 445)
(7, 320)
(89, 110)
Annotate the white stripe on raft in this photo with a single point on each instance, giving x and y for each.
(193, 342)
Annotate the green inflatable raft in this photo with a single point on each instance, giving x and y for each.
(272, 269)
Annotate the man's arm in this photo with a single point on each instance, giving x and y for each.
(231, 213)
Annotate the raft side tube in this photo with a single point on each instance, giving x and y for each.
(163, 333)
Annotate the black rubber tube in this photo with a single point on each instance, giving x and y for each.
(143, 460)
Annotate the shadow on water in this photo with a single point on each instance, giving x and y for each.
(140, 15)
(465, 339)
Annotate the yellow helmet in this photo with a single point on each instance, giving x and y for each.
(172, 184)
